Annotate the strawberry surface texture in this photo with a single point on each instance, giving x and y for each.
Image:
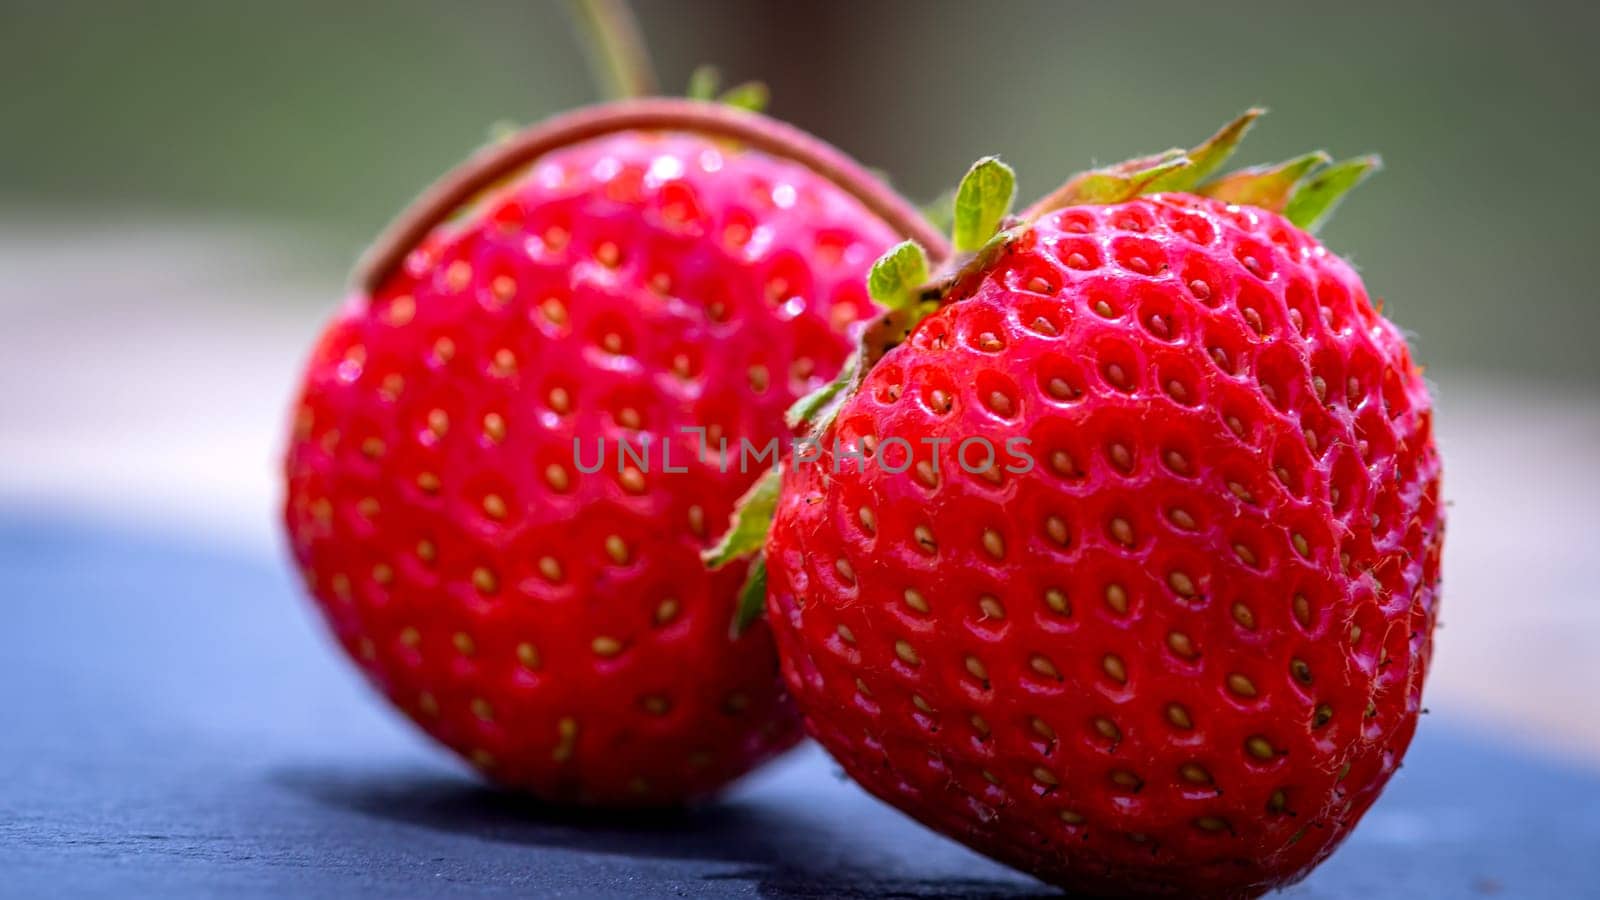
(554, 625)
(1171, 639)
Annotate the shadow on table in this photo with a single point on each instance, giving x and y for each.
(783, 854)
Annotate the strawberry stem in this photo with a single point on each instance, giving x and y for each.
(490, 165)
(616, 49)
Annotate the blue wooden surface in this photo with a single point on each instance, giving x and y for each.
(173, 724)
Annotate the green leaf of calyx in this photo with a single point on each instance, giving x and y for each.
(502, 130)
(752, 96)
(704, 82)
(1113, 184)
(1172, 170)
(1208, 157)
(1268, 187)
(896, 283)
(817, 406)
(1314, 200)
(752, 519)
(982, 200)
(897, 277)
(752, 596)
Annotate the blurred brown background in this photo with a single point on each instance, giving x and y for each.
(184, 184)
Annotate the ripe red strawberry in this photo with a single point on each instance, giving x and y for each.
(1173, 639)
(553, 625)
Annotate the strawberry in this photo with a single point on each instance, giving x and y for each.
(1123, 567)
(623, 274)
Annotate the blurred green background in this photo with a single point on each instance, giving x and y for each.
(322, 118)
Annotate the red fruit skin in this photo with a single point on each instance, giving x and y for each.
(1090, 681)
(553, 626)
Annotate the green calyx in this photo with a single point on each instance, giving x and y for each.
(705, 83)
(752, 519)
(822, 402)
(1171, 170)
(1208, 157)
(1115, 185)
(752, 596)
(898, 275)
(982, 200)
(1265, 186)
(1313, 200)
(897, 282)
(1304, 189)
